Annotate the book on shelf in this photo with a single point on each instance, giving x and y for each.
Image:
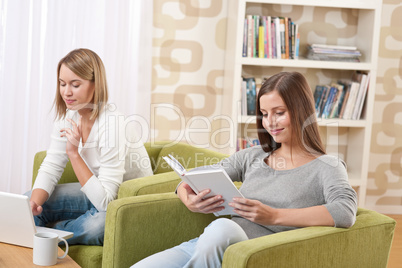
(296, 56)
(243, 143)
(250, 34)
(343, 99)
(339, 101)
(322, 96)
(282, 30)
(276, 22)
(318, 92)
(270, 37)
(273, 40)
(261, 42)
(287, 44)
(256, 35)
(335, 109)
(248, 100)
(243, 103)
(333, 53)
(245, 36)
(333, 91)
(336, 47)
(363, 78)
(354, 88)
(212, 177)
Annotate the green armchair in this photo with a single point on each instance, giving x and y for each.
(163, 180)
(151, 223)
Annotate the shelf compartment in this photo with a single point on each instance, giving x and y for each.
(250, 119)
(304, 63)
(355, 4)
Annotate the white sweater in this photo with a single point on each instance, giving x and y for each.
(108, 152)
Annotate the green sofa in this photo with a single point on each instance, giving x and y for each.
(163, 180)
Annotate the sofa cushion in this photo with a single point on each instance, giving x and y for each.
(188, 156)
(67, 176)
(158, 183)
(86, 256)
(153, 150)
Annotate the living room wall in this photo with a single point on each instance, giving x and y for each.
(188, 64)
(385, 172)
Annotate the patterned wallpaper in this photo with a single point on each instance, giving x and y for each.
(385, 171)
(188, 65)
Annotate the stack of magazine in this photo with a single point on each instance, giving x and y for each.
(333, 53)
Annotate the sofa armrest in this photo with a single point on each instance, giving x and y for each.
(139, 226)
(68, 173)
(155, 184)
(366, 244)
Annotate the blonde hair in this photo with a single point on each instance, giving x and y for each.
(87, 65)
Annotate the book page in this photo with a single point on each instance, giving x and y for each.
(217, 180)
(175, 165)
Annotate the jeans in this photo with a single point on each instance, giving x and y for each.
(70, 210)
(205, 251)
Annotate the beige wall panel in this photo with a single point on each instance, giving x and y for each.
(189, 49)
(192, 8)
(384, 189)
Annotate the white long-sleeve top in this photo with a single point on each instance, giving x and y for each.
(112, 152)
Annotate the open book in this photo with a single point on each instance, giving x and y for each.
(212, 177)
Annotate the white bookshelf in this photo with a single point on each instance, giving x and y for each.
(349, 139)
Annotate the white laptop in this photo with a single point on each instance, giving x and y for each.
(17, 225)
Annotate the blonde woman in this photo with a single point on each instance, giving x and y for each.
(93, 136)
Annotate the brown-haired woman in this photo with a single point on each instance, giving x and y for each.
(91, 134)
(288, 182)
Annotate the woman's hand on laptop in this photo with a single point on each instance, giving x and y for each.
(36, 210)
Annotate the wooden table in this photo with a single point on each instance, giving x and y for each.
(15, 256)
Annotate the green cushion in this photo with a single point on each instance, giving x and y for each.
(67, 176)
(86, 256)
(158, 183)
(188, 156)
(153, 149)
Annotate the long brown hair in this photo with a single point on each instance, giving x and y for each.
(88, 65)
(295, 92)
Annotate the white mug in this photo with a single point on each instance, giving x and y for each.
(45, 248)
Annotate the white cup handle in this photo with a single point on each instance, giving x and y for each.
(66, 251)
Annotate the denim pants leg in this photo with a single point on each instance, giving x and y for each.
(69, 209)
(204, 251)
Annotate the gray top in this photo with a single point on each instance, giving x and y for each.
(323, 181)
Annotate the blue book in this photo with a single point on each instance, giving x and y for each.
(317, 95)
(330, 102)
(341, 99)
(251, 96)
(322, 101)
